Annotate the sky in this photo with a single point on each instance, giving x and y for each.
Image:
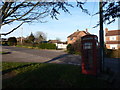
(64, 26)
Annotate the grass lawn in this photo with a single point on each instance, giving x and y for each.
(37, 75)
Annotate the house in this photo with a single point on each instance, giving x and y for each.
(54, 41)
(76, 36)
(3, 39)
(112, 38)
(20, 39)
(59, 44)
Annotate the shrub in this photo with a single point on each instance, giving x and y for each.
(12, 41)
(70, 49)
(112, 53)
(74, 48)
(5, 43)
(47, 46)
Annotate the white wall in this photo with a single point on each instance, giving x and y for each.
(61, 46)
(113, 46)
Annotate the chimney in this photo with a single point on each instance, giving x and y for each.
(86, 30)
(77, 30)
(106, 30)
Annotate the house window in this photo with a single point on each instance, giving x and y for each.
(113, 46)
(112, 38)
(71, 38)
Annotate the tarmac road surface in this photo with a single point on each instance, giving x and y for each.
(19, 54)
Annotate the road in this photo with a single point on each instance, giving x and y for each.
(18, 54)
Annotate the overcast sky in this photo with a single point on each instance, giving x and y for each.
(66, 25)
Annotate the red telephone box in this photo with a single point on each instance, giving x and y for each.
(90, 61)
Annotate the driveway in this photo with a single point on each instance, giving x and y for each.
(18, 54)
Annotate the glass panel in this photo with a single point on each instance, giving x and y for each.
(88, 60)
(87, 45)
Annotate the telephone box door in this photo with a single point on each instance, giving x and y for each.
(89, 49)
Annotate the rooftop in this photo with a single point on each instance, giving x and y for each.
(112, 32)
(75, 34)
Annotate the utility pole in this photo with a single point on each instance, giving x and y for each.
(0, 17)
(101, 37)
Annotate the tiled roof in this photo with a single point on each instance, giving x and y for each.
(54, 41)
(75, 34)
(113, 32)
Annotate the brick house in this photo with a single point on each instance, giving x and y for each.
(112, 38)
(76, 36)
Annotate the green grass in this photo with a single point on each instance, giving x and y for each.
(41, 46)
(2, 52)
(37, 75)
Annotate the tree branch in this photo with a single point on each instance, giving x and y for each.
(19, 17)
(12, 30)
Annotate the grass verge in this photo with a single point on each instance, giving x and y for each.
(37, 75)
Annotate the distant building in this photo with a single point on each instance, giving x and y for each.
(54, 41)
(21, 39)
(3, 39)
(76, 36)
(112, 38)
(59, 44)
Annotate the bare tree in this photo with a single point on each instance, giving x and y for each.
(111, 11)
(27, 12)
(40, 36)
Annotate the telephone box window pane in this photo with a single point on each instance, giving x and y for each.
(89, 60)
(97, 44)
(88, 46)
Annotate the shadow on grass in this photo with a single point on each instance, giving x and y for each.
(11, 69)
(53, 76)
(6, 53)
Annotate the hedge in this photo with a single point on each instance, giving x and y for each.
(47, 46)
(112, 53)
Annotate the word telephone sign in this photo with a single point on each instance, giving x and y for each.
(90, 61)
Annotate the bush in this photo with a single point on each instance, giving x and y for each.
(70, 49)
(112, 53)
(12, 41)
(47, 46)
(74, 48)
(5, 43)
